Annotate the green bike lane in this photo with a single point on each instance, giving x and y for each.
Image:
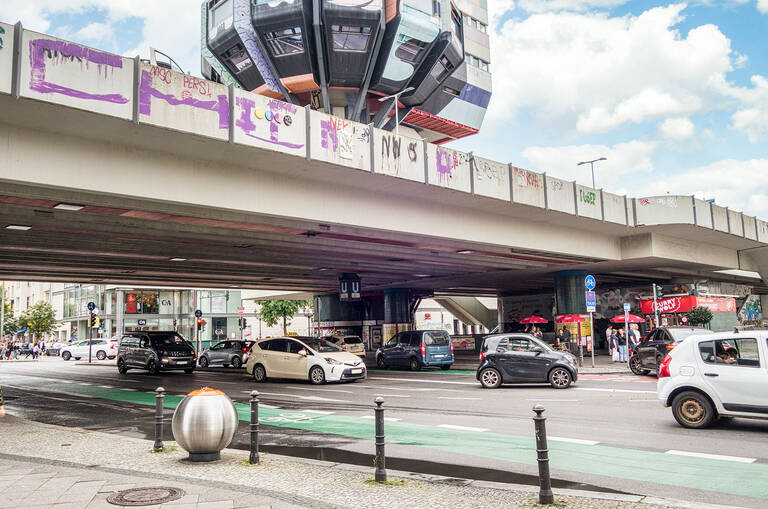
(744, 479)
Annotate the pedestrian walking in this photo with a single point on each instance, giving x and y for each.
(634, 338)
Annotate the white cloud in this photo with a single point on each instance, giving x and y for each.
(762, 6)
(740, 185)
(596, 73)
(676, 129)
(567, 5)
(752, 118)
(95, 32)
(622, 159)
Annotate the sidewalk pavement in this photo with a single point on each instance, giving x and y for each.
(47, 466)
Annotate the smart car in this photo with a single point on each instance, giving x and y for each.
(303, 358)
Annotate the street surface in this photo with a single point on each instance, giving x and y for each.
(607, 432)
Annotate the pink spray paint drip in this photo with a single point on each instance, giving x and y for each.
(60, 52)
(147, 92)
(247, 126)
(445, 165)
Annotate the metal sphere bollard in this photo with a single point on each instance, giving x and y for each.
(204, 423)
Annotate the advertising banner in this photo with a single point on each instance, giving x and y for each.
(61, 72)
(685, 304)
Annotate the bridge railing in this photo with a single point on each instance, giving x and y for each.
(43, 68)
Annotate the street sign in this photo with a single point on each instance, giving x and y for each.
(198, 313)
(627, 307)
(590, 282)
(591, 299)
(349, 287)
(91, 306)
(240, 311)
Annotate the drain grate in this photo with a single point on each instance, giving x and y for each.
(145, 496)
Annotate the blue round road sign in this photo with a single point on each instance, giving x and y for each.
(91, 306)
(198, 313)
(590, 282)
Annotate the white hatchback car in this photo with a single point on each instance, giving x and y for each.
(303, 358)
(100, 349)
(716, 375)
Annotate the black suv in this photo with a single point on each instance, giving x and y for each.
(657, 344)
(155, 351)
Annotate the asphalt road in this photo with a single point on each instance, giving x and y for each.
(607, 431)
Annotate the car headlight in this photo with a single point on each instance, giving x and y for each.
(329, 360)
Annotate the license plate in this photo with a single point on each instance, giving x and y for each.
(438, 356)
(356, 371)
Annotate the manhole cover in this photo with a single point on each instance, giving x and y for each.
(145, 496)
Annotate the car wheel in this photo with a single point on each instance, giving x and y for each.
(66, 356)
(560, 378)
(446, 366)
(636, 366)
(203, 361)
(381, 363)
(415, 364)
(490, 378)
(101, 355)
(236, 362)
(189, 371)
(317, 375)
(259, 373)
(153, 368)
(692, 410)
(121, 367)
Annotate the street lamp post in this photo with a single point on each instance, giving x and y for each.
(592, 165)
(396, 97)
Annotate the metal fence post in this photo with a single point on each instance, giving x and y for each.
(381, 468)
(545, 484)
(254, 457)
(159, 419)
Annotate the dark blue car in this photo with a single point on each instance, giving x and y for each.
(416, 349)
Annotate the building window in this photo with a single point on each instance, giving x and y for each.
(476, 24)
(410, 50)
(285, 42)
(477, 62)
(238, 58)
(349, 38)
(441, 69)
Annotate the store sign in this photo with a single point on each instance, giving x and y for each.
(685, 304)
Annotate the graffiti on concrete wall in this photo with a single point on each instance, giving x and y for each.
(244, 29)
(278, 116)
(751, 309)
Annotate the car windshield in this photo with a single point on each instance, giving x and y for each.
(321, 345)
(437, 338)
(168, 340)
(352, 340)
(680, 334)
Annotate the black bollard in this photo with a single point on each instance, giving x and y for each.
(159, 419)
(254, 458)
(545, 484)
(381, 468)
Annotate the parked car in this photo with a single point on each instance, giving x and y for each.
(100, 349)
(303, 358)
(155, 351)
(226, 353)
(657, 344)
(522, 358)
(416, 349)
(716, 375)
(351, 344)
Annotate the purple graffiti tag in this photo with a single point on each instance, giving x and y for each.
(445, 165)
(247, 126)
(59, 52)
(328, 131)
(147, 92)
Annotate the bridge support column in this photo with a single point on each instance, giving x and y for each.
(569, 292)
(334, 316)
(397, 312)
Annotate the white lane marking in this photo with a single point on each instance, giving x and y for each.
(461, 428)
(448, 397)
(106, 386)
(323, 412)
(322, 390)
(85, 383)
(64, 381)
(393, 395)
(306, 398)
(128, 389)
(594, 389)
(418, 380)
(390, 419)
(554, 400)
(404, 388)
(573, 440)
(737, 459)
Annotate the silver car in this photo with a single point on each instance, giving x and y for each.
(225, 353)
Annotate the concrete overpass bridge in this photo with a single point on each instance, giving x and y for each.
(116, 171)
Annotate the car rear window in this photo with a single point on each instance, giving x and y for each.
(352, 340)
(436, 339)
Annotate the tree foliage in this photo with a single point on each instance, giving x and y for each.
(273, 311)
(699, 316)
(10, 324)
(40, 318)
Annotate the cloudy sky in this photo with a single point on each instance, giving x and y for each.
(675, 95)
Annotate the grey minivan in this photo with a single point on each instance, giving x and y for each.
(416, 349)
(155, 351)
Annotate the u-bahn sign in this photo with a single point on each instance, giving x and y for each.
(349, 287)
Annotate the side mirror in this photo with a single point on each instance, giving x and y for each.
(537, 350)
(303, 352)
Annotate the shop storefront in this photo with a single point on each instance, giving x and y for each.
(672, 310)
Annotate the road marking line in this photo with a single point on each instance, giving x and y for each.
(128, 389)
(461, 428)
(322, 390)
(418, 380)
(317, 412)
(448, 397)
(554, 400)
(395, 396)
(85, 383)
(573, 440)
(737, 459)
(307, 398)
(390, 419)
(106, 386)
(595, 389)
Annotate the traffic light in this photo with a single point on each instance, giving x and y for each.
(659, 290)
(199, 323)
(93, 321)
(245, 323)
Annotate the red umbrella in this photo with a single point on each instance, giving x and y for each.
(570, 319)
(534, 319)
(632, 319)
